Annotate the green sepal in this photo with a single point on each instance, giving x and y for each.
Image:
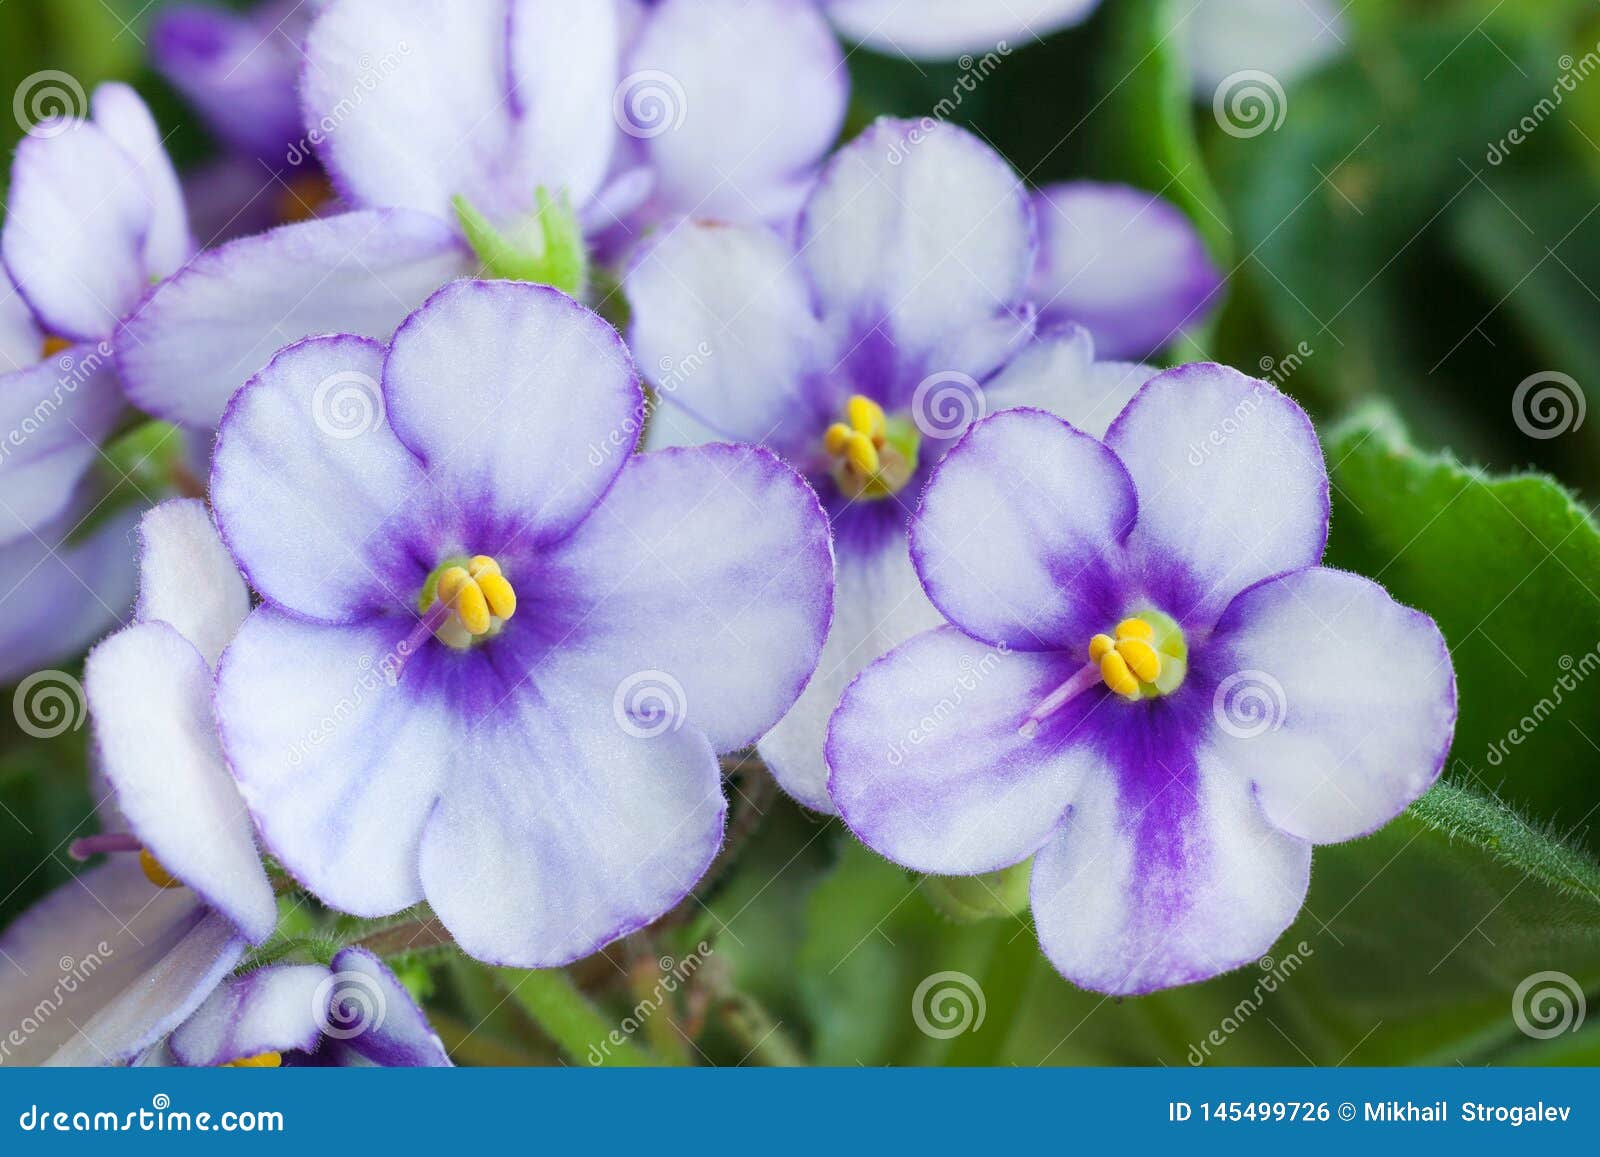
(547, 250)
(991, 896)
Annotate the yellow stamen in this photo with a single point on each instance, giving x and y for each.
(478, 593)
(1114, 670)
(1099, 647)
(1141, 658)
(155, 873)
(866, 417)
(1135, 628)
(54, 345)
(837, 439)
(862, 454)
(264, 1061)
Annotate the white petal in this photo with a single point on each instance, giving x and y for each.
(940, 29)
(125, 118)
(187, 578)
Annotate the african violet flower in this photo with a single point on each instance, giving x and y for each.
(153, 930)
(861, 355)
(1148, 684)
(494, 668)
(354, 1013)
(486, 132)
(937, 29)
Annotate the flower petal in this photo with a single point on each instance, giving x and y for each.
(722, 323)
(127, 121)
(505, 390)
(340, 768)
(76, 224)
(414, 103)
(561, 829)
(1125, 263)
(1232, 487)
(204, 332)
(563, 77)
(61, 595)
(270, 1010)
(694, 63)
(1283, 40)
(53, 418)
(240, 73)
(1019, 537)
(324, 509)
(706, 574)
(940, 29)
(919, 232)
(138, 959)
(1058, 373)
(372, 1015)
(187, 578)
(149, 695)
(21, 342)
(1337, 703)
(878, 604)
(928, 766)
(1163, 874)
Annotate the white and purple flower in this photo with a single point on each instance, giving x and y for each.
(861, 353)
(494, 667)
(353, 1012)
(111, 961)
(1148, 683)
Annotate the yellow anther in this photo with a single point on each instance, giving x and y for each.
(1099, 647)
(1114, 670)
(155, 873)
(862, 454)
(837, 439)
(478, 593)
(1135, 628)
(1141, 658)
(54, 345)
(264, 1061)
(866, 417)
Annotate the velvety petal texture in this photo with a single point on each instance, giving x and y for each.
(777, 62)
(21, 341)
(187, 578)
(202, 334)
(372, 1018)
(1126, 264)
(942, 29)
(106, 965)
(270, 1010)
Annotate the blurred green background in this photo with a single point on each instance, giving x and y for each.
(1428, 283)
